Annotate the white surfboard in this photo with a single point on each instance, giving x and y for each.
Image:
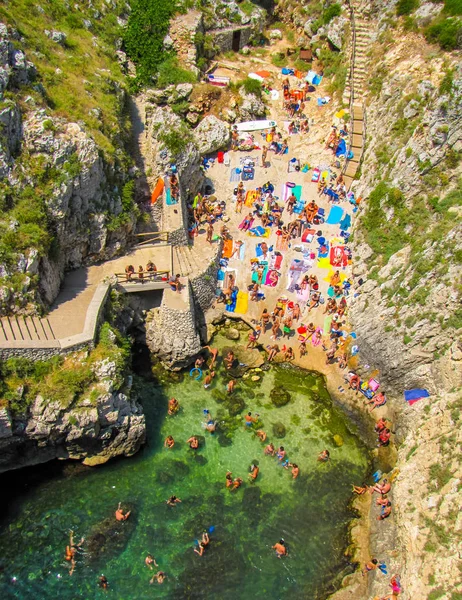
(255, 125)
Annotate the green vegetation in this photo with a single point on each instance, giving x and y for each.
(405, 7)
(441, 474)
(130, 209)
(170, 73)
(334, 10)
(61, 379)
(446, 31)
(175, 140)
(279, 59)
(252, 86)
(143, 38)
(335, 69)
(88, 76)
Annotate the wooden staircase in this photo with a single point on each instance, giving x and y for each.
(356, 87)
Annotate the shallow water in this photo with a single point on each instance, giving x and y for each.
(310, 513)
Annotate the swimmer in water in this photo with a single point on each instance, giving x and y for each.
(280, 548)
(71, 551)
(229, 479)
(281, 453)
(230, 386)
(120, 515)
(173, 500)
(249, 420)
(169, 442)
(253, 472)
(261, 435)
(149, 561)
(173, 406)
(214, 353)
(202, 544)
(159, 577)
(237, 483)
(193, 442)
(208, 379)
(324, 456)
(270, 450)
(103, 582)
(229, 359)
(295, 470)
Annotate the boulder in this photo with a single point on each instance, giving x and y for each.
(252, 107)
(232, 334)
(59, 37)
(426, 12)
(183, 91)
(275, 34)
(211, 134)
(336, 32)
(411, 110)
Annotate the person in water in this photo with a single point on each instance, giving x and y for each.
(229, 360)
(103, 582)
(214, 354)
(229, 479)
(71, 551)
(261, 435)
(193, 442)
(169, 442)
(295, 470)
(230, 386)
(270, 450)
(159, 577)
(254, 470)
(249, 420)
(149, 561)
(281, 453)
(173, 500)
(208, 379)
(120, 515)
(202, 544)
(237, 483)
(173, 406)
(324, 456)
(280, 548)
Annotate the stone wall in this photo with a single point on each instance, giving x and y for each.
(204, 285)
(223, 38)
(171, 331)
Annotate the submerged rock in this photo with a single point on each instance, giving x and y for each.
(279, 396)
(279, 430)
(108, 538)
(338, 440)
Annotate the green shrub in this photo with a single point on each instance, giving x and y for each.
(453, 7)
(447, 82)
(446, 32)
(175, 140)
(143, 38)
(170, 73)
(405, 7)
(334, 10)
(279, 59)
(252, 86)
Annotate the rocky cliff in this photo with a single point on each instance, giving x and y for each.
(61, 180)
(81, 408)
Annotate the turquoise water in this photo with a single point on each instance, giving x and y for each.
(311, 513)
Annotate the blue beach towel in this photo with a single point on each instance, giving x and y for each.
(235, 175)
(341, 148)
(335, 215)
(414, 395)
(345, 222)
(258, 251)
(258, 230)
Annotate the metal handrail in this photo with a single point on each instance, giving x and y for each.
(147, 276)
(154, 236)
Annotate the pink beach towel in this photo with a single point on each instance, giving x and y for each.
(314, 340)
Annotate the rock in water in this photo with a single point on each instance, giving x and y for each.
(211, 134)
(279, 396)
(338, 440)
(232, 334)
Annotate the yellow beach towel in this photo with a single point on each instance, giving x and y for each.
(324, 263)
(242, 303)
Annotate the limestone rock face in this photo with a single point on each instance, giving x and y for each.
(252, 107)
(91, 430)
(211, 134)
(335, 32)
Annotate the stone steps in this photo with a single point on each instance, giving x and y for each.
(18, 329)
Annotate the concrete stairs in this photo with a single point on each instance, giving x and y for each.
(189, 261)
(30, 329)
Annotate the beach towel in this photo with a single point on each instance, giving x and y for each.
(292, 278)
(227, 248)
(260, 231)
(278, 261)
(331, 272)
(324, 263)
(268, 280)
(231, 306)
(308, 235)
(335, 215)
(303, 295)
(226, 159)
(256, 279)
(327, 322)
(413, 396)
(235, 175)
(258, 251)
(314, 341)
(220, 275)
(263, 73)
(242, 303)
(338, 256)
(341, 148)
(345, 222)
(250, 197)
(242, 252)
(299, 207)
(245, 226)
(315, 175)
(323, 251)
(157, 190)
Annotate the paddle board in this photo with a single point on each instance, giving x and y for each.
(255, 125)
